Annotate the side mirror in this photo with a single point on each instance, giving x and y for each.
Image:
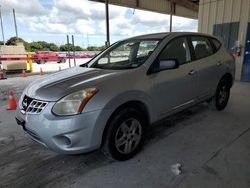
(164, 64)
(168, 64)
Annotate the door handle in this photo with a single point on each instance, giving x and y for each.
(219, 63)
(192, 72)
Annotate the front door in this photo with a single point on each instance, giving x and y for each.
(175, 88)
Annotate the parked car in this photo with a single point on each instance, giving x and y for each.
(42, 57)
(109, 102)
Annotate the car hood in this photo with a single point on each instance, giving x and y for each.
(57, 85)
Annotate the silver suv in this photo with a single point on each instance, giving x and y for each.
(108, 102)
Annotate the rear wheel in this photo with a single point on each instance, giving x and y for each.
(125, 134)
(42, 61)
(221, 97)
(62, 61)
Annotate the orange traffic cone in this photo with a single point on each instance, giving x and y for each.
(12, 101)
(24, 74)
(41, 72)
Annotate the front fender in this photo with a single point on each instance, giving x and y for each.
(125, 97)
(113, 104)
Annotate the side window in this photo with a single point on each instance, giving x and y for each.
(177, 48)
(146, 48)
(202, 47)
(216, 43)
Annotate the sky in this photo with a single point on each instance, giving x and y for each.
(52, 20)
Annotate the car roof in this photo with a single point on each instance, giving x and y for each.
(160, 36)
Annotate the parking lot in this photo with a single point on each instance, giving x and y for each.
(53, 66)
(212, 147)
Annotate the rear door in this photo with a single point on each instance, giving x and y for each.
(207, 63)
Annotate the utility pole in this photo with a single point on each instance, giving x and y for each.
(14, 16)
(74, 53)
(107, 23)
(2, 24)
(68, 50)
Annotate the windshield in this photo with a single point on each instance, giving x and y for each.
(125, 55)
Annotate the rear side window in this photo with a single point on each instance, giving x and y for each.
(216, 43)
(202, 47)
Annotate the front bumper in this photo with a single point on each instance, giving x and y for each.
(65, 134)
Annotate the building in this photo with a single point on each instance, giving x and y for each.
(230, 20)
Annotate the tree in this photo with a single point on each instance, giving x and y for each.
(78, 48)
(27, 46)
(53, 47)
(96, 48)
(35, 46)
(92, 48)
(14, 40)
(44, 46)
(69, 47)
(66, 47)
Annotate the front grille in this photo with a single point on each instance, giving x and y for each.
(36, 107)
(32, 106)
(26, 102)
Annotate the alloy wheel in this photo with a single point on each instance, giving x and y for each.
(128, 136)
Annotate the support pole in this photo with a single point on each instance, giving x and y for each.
(14, 16)
(171, 20)
(2, 24)
(87, 39)
(74, 53)
(68, 50)
(107, 23)
(172, 11)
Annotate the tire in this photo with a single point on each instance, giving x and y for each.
(42, 61)
(220, 99)
(125, 134)
(62, 61)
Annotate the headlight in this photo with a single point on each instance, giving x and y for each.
(74, 103)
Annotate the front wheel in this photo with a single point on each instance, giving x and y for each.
(125, 134)
(221, 97)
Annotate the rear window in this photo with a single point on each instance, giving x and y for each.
(202, 47)
(217, 44)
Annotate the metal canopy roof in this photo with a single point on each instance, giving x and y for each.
(184, 8)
